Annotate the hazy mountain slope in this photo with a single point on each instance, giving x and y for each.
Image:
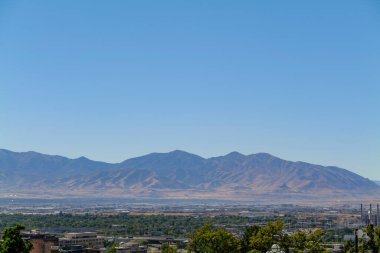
(157, 171)
(18, 169)
(175, 174)
(265, 173)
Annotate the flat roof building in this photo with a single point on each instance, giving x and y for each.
(85, 239)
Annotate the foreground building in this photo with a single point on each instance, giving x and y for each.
(42, 242)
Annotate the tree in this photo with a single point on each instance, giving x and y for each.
(313, 242)
(262, 239)
(269, 238)
(373, 242)
(285, 242)
(349, 247)
(13, 242)
(112, 249)
(248, 233)
(268, 235)
(299, 241)
(377, 238)
(165, 248)
(210, 240)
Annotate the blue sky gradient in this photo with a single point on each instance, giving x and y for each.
(117, 79)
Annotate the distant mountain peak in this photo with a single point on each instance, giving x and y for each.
(262, 155)
(176, 152)
(176, 174)
(82, 158)
(235, 154)
(180, 152)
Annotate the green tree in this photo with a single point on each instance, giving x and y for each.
(268, 235)
(13, 242)
(373, 241)
(285, 242)
(299, 241)
(349, 247)
(310, 241)
(165, 248)
(209, 240)
(262, 239)
(377, 238)
(249, 232)
(313, 242)
(112, 249)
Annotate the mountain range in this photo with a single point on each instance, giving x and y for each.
(177, 174)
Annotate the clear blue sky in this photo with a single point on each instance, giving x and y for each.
(116, 79)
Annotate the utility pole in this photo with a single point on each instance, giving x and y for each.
(361, 214)
(356, 240)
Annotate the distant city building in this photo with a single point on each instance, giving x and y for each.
(87, 242)
(131, 247)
